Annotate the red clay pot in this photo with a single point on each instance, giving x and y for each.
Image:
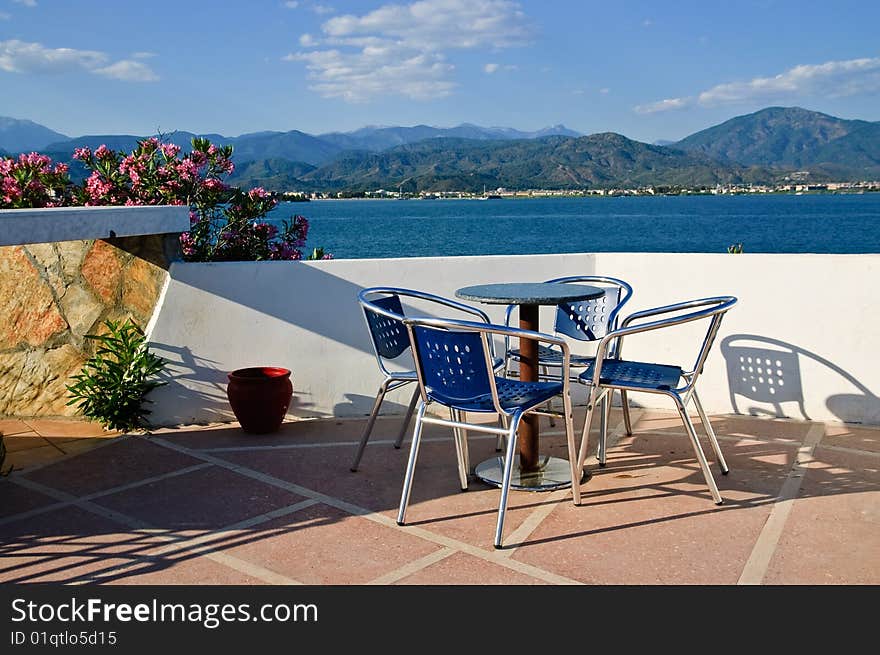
(259, 397)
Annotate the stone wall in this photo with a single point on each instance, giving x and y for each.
(53, 294)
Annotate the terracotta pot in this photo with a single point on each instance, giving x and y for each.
(259, 397)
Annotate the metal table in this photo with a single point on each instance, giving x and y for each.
(534, 472)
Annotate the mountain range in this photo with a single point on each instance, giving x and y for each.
(761, 147)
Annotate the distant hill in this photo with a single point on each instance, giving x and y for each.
(293, 146)
(128, 142)
(382, 138)
(275, 174)
(600, 160)
(20, 135)
(856, 155)
(759, 147)
(789, 137)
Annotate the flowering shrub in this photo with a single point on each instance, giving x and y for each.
(226, 224)
(32, 181)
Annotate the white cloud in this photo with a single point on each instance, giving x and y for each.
(358, 77)
(5, 16)
(647, 22)
(605, 91)
(322, 9)
(143, 55)
(491, 68)
(24, 57)
(831, 79)
(308, 41)
(291, 4)
(440, 24)
(27, 3)
(663, 105)
(128, 70)
(401, 49)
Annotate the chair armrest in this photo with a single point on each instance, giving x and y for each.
(720, 303)
(716, 305)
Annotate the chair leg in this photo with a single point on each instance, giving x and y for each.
(407, 418)
(604, 416)
(411, 464)
(546, 373)
(711, 433)
(460, 439)
(368, 428)
(499, 443)
(627, 422)
(508, 473)
(572, 451)
(698, 450)
(585, 435)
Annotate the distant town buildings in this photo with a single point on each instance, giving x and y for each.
(794, 184)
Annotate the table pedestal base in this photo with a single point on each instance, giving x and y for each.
(552, 473)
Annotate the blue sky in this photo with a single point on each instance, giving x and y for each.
(648, 70)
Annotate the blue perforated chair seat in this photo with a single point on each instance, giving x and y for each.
(412, 375)
(553, 357)
(513, 394)
(636, 375)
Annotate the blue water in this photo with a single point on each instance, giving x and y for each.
(414, 228)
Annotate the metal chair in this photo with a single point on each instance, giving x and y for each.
(384, 314)
(587, 321)
(454, 364)
(607, 374)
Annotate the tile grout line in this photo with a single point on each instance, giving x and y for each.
(765, 545)
(98, 494)
(537, 516)
(108, 441)
(373, 516)
(228, 560)
(413, 567)
(326, 444)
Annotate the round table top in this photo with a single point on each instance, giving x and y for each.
(529, 293)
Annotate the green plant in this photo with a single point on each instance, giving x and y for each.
(114, 382)
(735, 249)
(318, 253)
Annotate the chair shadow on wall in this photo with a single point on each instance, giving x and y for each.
(767, 372)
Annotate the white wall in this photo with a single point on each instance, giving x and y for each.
(810, 313)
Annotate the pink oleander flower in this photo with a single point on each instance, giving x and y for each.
(35, 160)
(187, 169)
(61, 169)
(198, 158)
(5, 165)
(170, 150)
(83, 154)
(213, 184)
(103, 152)
(97, 187)
(258, 192)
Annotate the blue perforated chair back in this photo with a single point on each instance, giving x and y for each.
(452, 365)
(588, 320)
(389, 334)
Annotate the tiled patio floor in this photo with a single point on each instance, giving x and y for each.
(212, 505)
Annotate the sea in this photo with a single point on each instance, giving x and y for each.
(773, 223)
